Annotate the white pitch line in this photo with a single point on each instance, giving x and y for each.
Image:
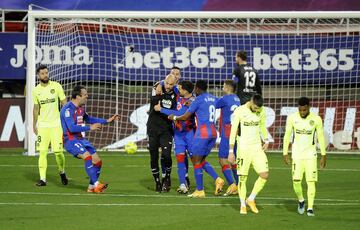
(146, 166)
(162, 196)
(150, 204)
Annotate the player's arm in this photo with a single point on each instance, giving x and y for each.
(62, 96)
(35, 111)
(35, 117)
(286, 142)
(187, 115)
(173, 111)
(233, 133)
(92, 120)
(184, 117)
(258, 88)
(321, 139)
(263, 130)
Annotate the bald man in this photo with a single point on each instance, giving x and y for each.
(160, 133)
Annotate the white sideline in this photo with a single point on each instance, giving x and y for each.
(139, 204)
(146, 166)
(162, 196)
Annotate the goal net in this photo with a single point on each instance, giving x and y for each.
(118, 56)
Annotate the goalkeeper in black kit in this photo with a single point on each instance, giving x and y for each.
(246, 78)
(160, 133)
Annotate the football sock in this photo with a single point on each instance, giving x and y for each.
(162, 162)
(43, 164)
(311, 194)
(90, 169)
(298, 190)
(242, 185)
(210, 170)
(60, 161)
(186, 163)
(156, 175)
(181, 168)
(97, 167)
(234, 172)
(258, 186)
(198, 173)
(228, 174)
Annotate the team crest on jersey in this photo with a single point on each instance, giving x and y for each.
(312, 122)
(52, 91)
(67, 113)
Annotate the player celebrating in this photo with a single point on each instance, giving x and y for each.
(205, 137)
(73, 116)
(47, 126)
(303, 124)
(249, 121)
(183, 132)
(228, 103)
(246, 77)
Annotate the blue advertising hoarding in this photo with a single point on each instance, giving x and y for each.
(280, 59)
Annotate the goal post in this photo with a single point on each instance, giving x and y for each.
(119, 55)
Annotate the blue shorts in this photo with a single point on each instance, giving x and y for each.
(202, 146)
(182, 141)
(76, 147)
(224, 148)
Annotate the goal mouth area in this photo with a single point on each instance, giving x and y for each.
(297, 54)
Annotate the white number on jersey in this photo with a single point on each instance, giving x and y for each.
(212, 113)
(250, 78)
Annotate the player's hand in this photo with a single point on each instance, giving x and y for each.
(323, 162)
(35, 129)
(265, 146)
(96, 126)
(231, 157)
(158, 89)
(171, 117)
(157, 107)
(286, 159)
(114, 117)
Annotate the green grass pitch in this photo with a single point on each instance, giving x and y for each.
(131, 203)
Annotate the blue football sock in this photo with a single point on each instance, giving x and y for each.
(234, 171)
(181, 170)
(210, 170)
(198, 172)
(228, 174)
(90, 169)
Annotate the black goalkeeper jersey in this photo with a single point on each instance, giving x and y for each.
(157, 121)
(248, 82)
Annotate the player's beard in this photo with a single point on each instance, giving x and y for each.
(45, 81)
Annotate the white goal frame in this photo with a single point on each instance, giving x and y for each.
(38, 14)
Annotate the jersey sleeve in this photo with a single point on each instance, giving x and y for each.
(34, 97)
(234, 125)
(93, 120)
(263, 129)
(258, 84)
(61, 93)
(173, 111)
(194, 106)
(320, 136)
(288, 130)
